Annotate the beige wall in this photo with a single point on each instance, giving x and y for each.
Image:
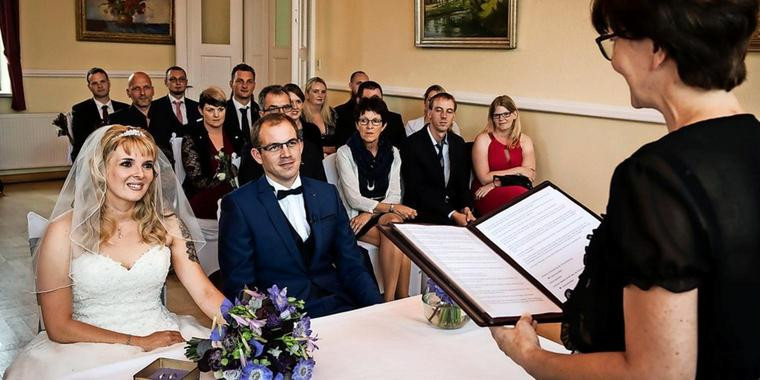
(48, 42)
(556, 59)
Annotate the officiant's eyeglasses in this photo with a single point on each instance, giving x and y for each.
(276, 147)
(606, 43)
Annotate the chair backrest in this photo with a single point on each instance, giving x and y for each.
(35, 226)
(331, 168)
(179, 170)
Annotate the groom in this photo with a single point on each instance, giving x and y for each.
(291, 231)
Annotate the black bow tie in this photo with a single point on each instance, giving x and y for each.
(281, 194)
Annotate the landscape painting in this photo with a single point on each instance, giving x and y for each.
(466, 23)
(141, 21)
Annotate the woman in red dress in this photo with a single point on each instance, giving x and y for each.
(501, 149)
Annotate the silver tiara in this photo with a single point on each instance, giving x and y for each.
(132, 132)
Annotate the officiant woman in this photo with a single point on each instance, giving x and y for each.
(670, 282)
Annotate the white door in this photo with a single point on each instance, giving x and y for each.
(208, 50)
(302, 40)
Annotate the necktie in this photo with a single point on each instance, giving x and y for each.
(178, 111)
(105, 114)
(439, 146)
(281, 194)
(246, 125)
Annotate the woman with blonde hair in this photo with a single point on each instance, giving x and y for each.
(317, 112)
(121, 220)
(502, 158)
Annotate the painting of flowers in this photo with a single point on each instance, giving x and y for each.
(465, 23)
(142, 21)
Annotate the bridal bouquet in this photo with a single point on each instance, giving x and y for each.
(226, 170)
(261, 336)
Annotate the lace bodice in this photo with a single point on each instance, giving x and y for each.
(110, 296)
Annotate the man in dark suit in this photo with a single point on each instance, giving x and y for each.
(394, 131)
(242, 110)
(274, 99)
(92, 113)
(435, 168)
(174, 110)
(141, 114)
(290, 230)
(344, 126)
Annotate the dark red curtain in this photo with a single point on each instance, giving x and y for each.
(9, 28)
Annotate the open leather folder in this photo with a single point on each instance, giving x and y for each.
(523, 257)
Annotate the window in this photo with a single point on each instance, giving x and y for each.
(5, 80)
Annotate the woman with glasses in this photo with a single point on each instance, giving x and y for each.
(501, 150)
(369, 171)
(671, 273)
(310, 131)
(207, 153)
(317, 112)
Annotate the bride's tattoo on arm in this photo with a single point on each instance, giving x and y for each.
(192, 254)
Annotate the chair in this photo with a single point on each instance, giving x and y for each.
(179, 170)
(415, 279)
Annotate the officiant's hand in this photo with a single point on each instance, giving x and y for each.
(520, 342)
(359, 221)
(156, 340)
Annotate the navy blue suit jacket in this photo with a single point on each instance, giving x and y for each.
(257, 249)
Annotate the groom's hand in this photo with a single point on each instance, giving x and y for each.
(157, 339)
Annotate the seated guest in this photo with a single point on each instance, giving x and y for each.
(292, 231)
(369, 171)
(174, 110)
(418, 123)
(201, 150)
(94, 112)
(501, 149)
(345, 125)
(274, 99)
(242, 110)
(141, 114)
(435, 170)
(310, 131)
(394, 131)
(317, 112)
(103, 260)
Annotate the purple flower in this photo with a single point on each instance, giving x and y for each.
(302, 328)
(256, 372)
(279, 297)
(218, 333)
(439, 292)
(256, 347)
(279, 376)
(303, 370)
(225, 308)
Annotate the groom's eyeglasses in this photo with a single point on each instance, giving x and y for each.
(276, 147)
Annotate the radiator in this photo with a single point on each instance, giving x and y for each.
(30, 141)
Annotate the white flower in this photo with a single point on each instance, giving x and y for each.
(221, 176)
(274, 352)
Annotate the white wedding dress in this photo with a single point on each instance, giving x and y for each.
(107, 295)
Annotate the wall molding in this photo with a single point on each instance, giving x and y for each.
(44, 73)
(558, 106)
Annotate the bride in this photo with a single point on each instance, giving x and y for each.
(120, 222)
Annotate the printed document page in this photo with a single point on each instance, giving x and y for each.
(490, 281)
(546, 234)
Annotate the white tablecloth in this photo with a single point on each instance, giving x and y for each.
(387, 341)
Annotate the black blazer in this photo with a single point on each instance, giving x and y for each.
(424, 182)
(85, 118)
(311, 164)
(164, 113)
(394, 131)
(231, 121)
(158, 129)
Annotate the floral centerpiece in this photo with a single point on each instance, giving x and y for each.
(123, 11)
(261, 336)
(440, 310)
(226, 170)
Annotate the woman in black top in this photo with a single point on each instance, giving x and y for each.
(671, 277)
(297, 98)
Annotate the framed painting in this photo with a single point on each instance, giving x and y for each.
(141, 21)
(489, 24)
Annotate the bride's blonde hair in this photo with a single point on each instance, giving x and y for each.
(131, 139)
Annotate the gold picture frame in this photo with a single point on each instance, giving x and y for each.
(137, 21)
(479, 24)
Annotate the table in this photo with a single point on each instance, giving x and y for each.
(387, 341)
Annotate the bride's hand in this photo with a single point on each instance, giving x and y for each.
(156, 340)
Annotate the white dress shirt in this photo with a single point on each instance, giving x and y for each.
(247, 107)
(293, 207)
(419, 123)
(446, 160)
(182, 108)
(100, 108)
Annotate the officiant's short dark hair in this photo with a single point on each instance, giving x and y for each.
(94, 71)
